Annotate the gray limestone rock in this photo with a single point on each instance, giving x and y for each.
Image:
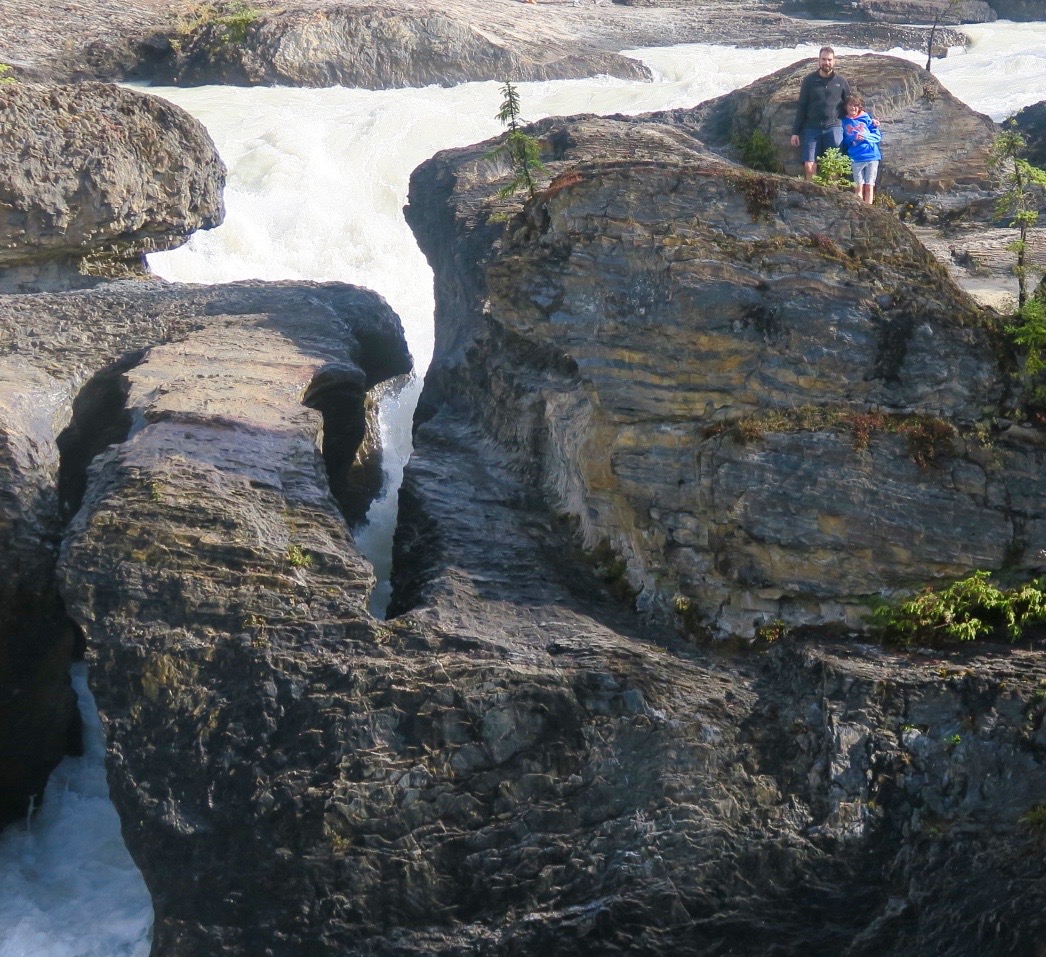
(92, 177)
(376, 47)
(769, 400)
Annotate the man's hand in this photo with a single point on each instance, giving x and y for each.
(795, 139)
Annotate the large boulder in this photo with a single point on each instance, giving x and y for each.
(933, 143)
(94, 177)
(769, 400)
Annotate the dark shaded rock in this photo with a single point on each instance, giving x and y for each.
(1020, 9)
(1031, 121)
(919, 11)
(927, 11)
(92, 177)
(64, 390)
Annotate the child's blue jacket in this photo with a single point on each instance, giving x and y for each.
(863, 150)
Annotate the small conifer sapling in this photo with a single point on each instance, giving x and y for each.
(523, 150)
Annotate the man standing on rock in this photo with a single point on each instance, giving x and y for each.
(819, 119)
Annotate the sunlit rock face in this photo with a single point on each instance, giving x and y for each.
(378, 48)
(769, 400)
(94, 178)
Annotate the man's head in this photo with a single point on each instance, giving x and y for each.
(826, 61)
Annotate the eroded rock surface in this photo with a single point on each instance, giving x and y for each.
(310, 40)
(63, 389)
(378, 48)
(769, 400)
(92, 177)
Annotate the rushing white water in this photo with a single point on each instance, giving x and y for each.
(317, 180)
(67, 884)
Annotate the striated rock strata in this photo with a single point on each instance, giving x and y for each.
(92, 177)
(768, 400)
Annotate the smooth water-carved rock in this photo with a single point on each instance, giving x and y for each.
(93, 177)
(377, 47)
(63, 401)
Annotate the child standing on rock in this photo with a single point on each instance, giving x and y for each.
(861, 137)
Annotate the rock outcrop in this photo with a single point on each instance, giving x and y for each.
(514, 763)
(1031, 121)
(70, 359)
(93, 177)
(396, 42)
(768, 400)
(932, 142)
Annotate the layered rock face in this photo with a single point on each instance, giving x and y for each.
(768, 400)
(932, 142)
(92, 177)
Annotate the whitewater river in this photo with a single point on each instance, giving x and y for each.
(317, 181)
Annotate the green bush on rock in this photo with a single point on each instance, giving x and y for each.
(835, 170)
(969, 609)
(520, 148)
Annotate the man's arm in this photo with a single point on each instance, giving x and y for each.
(804, 105)
(846, 92)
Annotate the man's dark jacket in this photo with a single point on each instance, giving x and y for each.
(821, 102)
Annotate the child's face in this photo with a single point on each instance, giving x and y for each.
(853, 110)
